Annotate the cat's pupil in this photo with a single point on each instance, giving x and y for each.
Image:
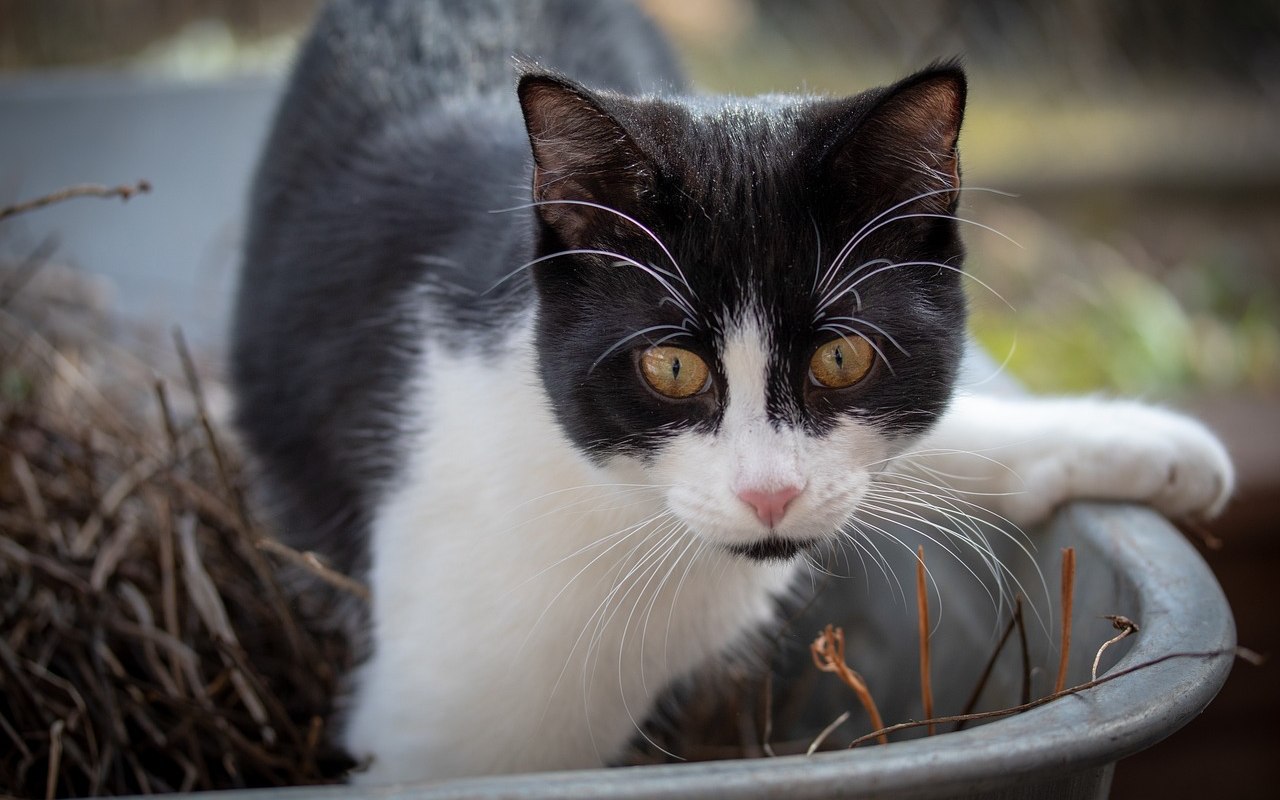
(675, 368)
(839, 358)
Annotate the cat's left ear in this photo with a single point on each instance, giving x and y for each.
(581, 154)
(904, 146)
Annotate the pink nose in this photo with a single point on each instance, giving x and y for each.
(770, 505)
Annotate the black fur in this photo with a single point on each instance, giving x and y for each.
(371, 229)
(736, 188)
(398, 134)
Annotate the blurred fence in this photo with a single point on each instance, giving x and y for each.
(1142, 139)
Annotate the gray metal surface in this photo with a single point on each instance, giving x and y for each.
(169, 256)
(1130, 561)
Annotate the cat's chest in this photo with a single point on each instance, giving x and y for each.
(517, 586)
(493, 494)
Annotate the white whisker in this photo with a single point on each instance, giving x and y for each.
(875, 328)
(863, 522)
(867, 228)
(598, 609)
(817, 267)
(625, 533)
(822, 306)
(831, 289)
(965, 531)
(836, 328)
(992, 521)
(675, 598)
(648, 613)
(683, 304)
(884, 514)
(878, 558)
(663, 549)
(680, 330)
(998, 371)
(644, 229)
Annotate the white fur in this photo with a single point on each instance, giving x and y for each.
(528, 606)
(1031, 455)
(750, 451)
(526, 609)
(510, 632)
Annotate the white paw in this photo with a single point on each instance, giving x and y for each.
(1100, 450)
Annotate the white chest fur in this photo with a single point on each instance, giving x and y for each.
(527, 606)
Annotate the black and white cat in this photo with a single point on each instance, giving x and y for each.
(577, 447)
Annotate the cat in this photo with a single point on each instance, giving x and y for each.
(574, 367)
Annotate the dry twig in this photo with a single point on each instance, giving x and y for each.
(1207, 537)
(26, 270)
(1068, 597)
(828, 656)
(312, 563)
(124, 192)
(976, 694)
(1251, 657)
(1020, 618)
(827, 731)
(1018, 709)
(123, 640)
(922, 603)
(1126, 627)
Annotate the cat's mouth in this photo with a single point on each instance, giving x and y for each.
(772, 548)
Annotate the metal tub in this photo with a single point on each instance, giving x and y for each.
(1129, 561)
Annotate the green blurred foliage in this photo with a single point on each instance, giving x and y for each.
(1172, 105)
(1080, 315)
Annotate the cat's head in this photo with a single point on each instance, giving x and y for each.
(756, 302)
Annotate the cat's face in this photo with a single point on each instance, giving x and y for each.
(760, 303)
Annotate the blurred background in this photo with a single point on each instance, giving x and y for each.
(1137, 144)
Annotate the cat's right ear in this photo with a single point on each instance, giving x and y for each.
(904, 146)
(581, 155)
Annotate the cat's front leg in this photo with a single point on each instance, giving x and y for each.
(1023, 456)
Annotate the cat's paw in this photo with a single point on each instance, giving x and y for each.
(1103, 450)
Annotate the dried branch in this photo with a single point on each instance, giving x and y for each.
(827, 731)
(292, 634)
(312, 563)
(1020, 618)
(922, 604)
(828, 656)
(126, 658)
(781, 635)
(213, 613)
(1126, 627)
(31, 493)
(766, 733)
(1018, 709)
(1206, 536)
(976, 694)
(1251, 657)
(55, 758)
(26, 270)
(1068, 597)
(124, 192)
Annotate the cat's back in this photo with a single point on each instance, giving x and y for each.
(369, 62)
(397, 134)
(402, 52)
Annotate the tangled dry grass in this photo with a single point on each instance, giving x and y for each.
(150, 638)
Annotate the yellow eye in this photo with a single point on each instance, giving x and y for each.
(841, 362)
(674, 372)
